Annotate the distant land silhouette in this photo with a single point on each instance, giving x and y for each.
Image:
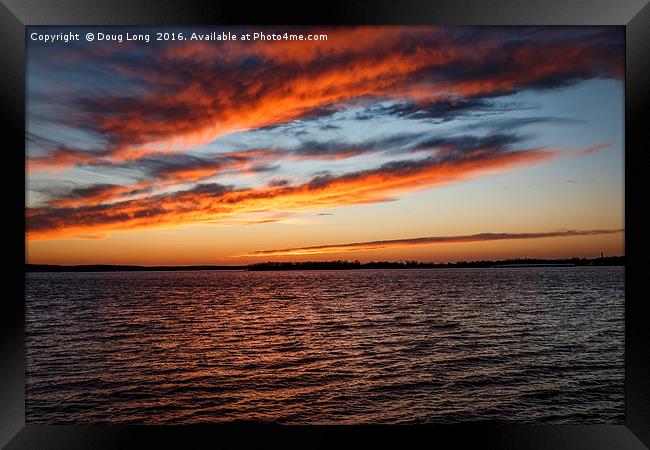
(343, 265)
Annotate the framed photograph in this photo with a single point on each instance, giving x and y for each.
(394, 221)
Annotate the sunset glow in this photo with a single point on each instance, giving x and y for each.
(377, 143)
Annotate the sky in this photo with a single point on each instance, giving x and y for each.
(378, 143)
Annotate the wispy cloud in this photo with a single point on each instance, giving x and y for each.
(142, 120)
(209, 201)
(422, 241)
(193, 92)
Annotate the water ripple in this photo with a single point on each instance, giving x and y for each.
(541, 345)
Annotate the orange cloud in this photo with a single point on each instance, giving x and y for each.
(91, 195)
(60, 158)
(210, 202)
(195, 92)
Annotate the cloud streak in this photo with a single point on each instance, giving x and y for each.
(423, 241)
(209, 201)
(193, 92)
(142, 119)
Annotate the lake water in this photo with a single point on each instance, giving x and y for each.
(542, 345)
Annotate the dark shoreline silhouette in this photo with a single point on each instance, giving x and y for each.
(342, 265)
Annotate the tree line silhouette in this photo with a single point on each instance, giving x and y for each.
(342, 265)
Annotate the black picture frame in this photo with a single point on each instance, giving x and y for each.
(633, 14)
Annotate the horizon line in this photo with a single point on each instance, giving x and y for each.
(333, 261)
